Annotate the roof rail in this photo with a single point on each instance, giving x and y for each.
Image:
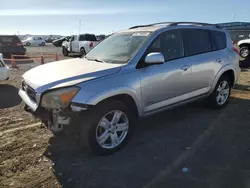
(148, 25)
(193, 23)
(175, 24)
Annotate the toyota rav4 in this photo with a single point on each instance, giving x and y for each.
(133, 73)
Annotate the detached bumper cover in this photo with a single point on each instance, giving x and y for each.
(32, 105)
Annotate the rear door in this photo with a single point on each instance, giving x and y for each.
(200, 51)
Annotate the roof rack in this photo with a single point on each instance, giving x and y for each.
(148, 25)
(175, 24)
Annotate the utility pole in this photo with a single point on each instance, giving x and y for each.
(234, 17)
(80, 24)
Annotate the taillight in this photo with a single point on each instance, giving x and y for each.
(91, 45)
(236, 49)
(19, 44)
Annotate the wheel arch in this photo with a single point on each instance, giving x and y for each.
(124, 95)
(229, 71)
(244, 44)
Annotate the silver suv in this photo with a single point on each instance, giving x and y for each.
(133, 73)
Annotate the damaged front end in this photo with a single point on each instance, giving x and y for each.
(53, 107)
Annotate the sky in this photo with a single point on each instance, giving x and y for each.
(66, 17)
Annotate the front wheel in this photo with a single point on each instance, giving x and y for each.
(65, 51)
(43, 44)
(220, 96)
(108, 128)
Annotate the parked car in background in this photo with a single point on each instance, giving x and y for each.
(79, 44)
(4, 69)
(133, 73)
(34, 41)
(10, 44)
(244, 48)
(58, 42)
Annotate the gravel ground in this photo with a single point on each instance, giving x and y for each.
(34, 158)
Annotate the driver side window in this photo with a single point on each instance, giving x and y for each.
(170, 44)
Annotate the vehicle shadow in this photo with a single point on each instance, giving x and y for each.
(157, 142)
(242, 87)
(9, 96)
(245, 63)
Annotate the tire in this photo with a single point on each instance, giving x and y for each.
(28, 44)
(42, 44)
(214, 100)
(244, 52)
(65, 51)
(83, 52)
(91, 131)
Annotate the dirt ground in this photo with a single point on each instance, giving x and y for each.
(191, 146)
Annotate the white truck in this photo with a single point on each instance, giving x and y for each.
(81, 44)
(244, 48)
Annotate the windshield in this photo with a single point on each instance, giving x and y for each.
(118, 48)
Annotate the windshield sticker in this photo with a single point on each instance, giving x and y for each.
(141, 34)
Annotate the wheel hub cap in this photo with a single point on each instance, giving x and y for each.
(222, 93)
(112, 129)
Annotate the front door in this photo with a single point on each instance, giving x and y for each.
(166, 84)
(75, 44)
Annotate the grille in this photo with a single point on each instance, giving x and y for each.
(30, 91)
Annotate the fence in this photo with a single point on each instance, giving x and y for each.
(41, 58)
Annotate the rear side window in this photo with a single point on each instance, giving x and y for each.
(219, 39)
(82, 38)
(90, 37)
(197, 41)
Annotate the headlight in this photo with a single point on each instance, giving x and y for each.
(59, 98)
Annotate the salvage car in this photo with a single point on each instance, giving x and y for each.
(34, 41)
(11, 44)
(132, 74)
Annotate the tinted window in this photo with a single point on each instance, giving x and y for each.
(169, 44)
(197, 41)
(219, 39)
(90, 37)
(82, 38)
(9, 39)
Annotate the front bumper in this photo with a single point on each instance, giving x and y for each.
(32, 105)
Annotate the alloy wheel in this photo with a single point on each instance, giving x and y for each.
(112, 129)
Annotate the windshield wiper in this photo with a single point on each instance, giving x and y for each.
(95, 59)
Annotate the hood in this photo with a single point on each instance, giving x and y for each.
(66, 73)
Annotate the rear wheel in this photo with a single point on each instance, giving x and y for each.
(244, 52)
(220, 96)
(43, 44)
(83, 52)
(28, 44)
(108, 128)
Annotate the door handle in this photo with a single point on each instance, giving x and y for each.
(219, 60)
(185, 67)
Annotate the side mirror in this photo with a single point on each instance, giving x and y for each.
(154, 58)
